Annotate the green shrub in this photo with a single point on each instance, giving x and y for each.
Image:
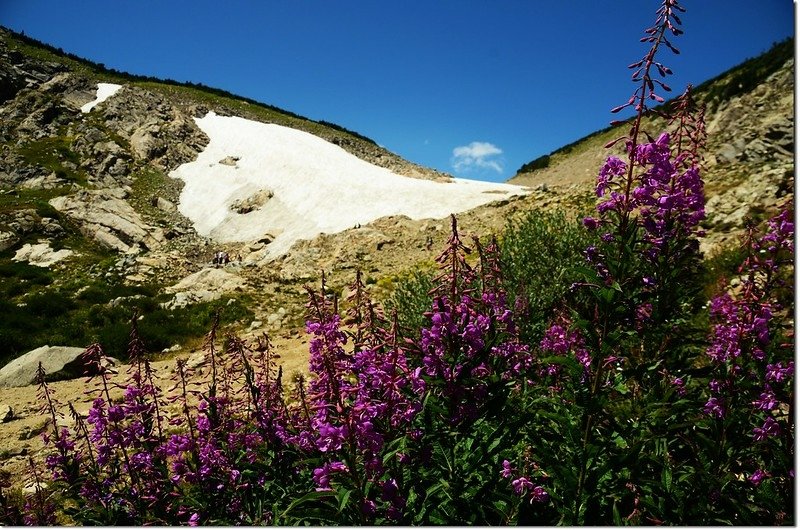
(411, 298)
(36, 313)
(539, 163)
(49, 304)
(539, 252)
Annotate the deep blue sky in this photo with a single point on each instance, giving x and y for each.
(422, 78)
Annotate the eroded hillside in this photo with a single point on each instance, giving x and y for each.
(749, 157)
(91, 226)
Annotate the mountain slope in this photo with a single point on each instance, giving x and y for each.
(749, 165)
(90, 195)
(91, 219)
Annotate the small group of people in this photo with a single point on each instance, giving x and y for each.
(221, 258)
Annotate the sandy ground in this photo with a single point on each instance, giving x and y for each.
(21, 436)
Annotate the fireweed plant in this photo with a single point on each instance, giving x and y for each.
(638, 402)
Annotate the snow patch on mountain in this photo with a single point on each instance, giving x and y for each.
(104, 91)
(255, 179)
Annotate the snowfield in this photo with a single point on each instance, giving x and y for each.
(104, 91)
(255, 179)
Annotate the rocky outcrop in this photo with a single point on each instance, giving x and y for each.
(252, 202)
(106, 217)
(41, 254)
(204, 286)
(158, 132)
(7, 240)
(16, 224)
(17, 72)
(48, 142)
(750, 169)
(58, 362)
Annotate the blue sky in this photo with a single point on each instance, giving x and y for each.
(473, 88)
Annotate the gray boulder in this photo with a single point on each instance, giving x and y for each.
(59, 363)
(105, 216)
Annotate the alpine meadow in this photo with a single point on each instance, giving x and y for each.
(549, 351)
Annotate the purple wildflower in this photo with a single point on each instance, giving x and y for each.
(715, 408)
(768, 429)
(757, 476)
(508, 469)
(766, 401)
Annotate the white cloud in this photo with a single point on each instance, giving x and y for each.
(477, 155)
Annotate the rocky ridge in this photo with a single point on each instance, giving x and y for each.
(749, 157)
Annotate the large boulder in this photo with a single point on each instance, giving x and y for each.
(105, 216)
(41, 254)
(59, 362)
(203, 286)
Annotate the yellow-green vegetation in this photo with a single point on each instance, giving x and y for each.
(736, 81)
(410, 296)
(39, 311)
(51, 153)
(148, 183)
(20, 198)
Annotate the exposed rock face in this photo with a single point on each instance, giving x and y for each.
(41, 102)
(252, 202)
(7, 240)
(18, 72)
(158, 132)
(204, 286)
(41, 254)
(6, 413)
(59, 362)
(105, 216)
(751, 166)
(749, 159)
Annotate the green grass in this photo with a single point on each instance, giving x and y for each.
(150, 182)
(49, 314)
(51, 153)
(20, 199)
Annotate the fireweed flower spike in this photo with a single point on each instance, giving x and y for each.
(753, 370)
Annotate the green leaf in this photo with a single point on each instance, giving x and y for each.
(344, 496)
(494, 444)
(445, 488)
(666, 479)
(617, 517)
(310, 496)
(619, 441)
(433, 489)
